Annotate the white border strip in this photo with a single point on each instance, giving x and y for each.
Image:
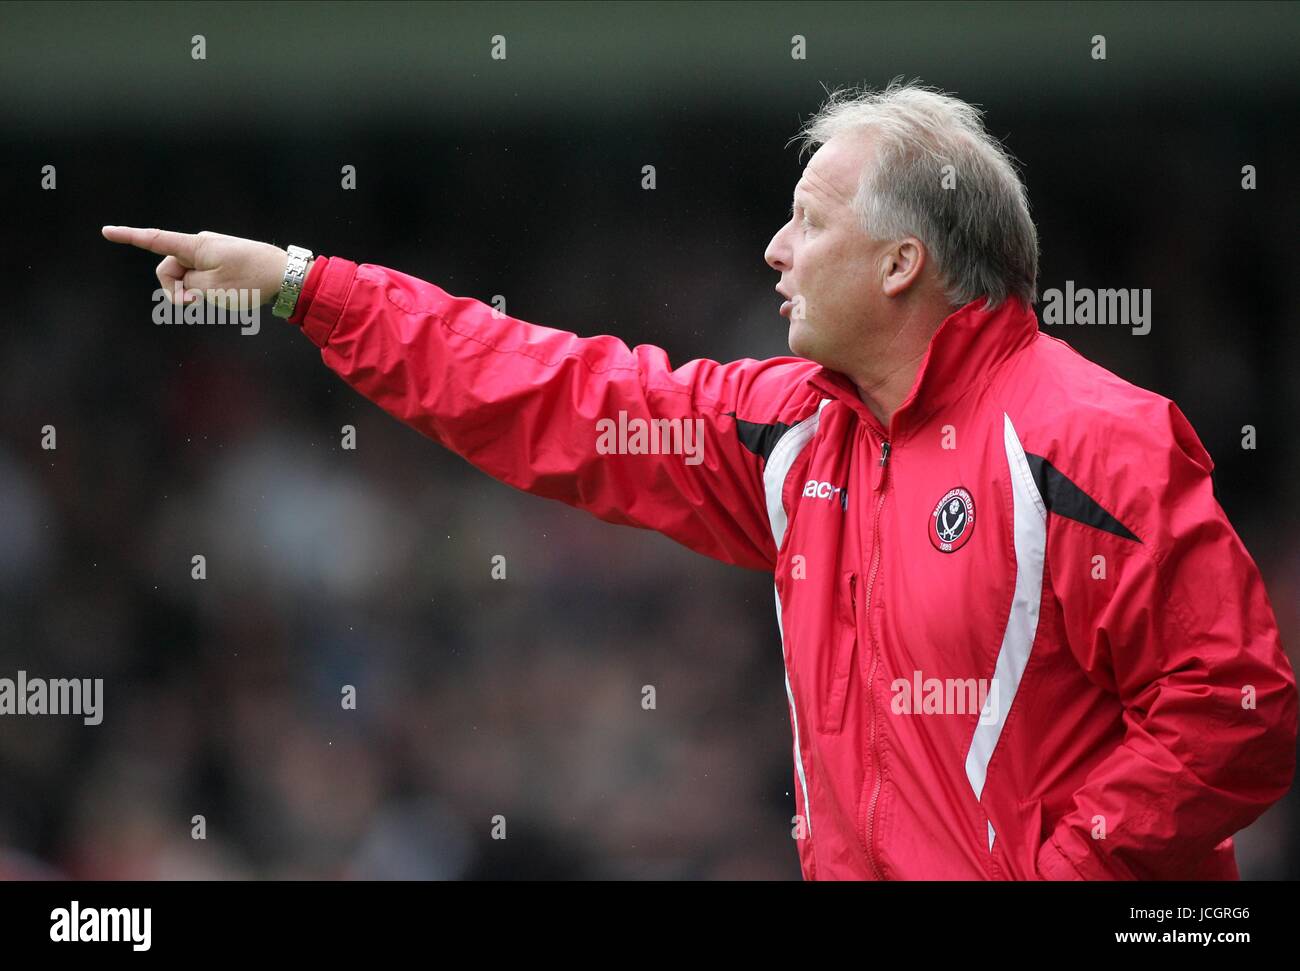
(775, 472)
(1030, 516)
(794, 717)
(778, 467)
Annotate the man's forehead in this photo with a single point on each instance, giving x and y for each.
(834, 169)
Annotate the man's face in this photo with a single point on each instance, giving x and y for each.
(824, 256)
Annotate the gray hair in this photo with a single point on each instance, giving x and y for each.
(977, 229)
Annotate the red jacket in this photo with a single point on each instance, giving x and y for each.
(1021, 638)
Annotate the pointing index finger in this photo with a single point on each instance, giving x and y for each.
(160, 241)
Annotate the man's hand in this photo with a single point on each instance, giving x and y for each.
(196, 263)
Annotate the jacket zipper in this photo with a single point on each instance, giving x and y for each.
(869, 843)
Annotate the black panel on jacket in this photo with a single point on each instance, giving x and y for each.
(1064, 498)
(759, 438)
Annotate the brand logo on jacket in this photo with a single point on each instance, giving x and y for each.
(812, 489)
(952, 521)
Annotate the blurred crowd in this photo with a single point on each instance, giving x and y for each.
(487, 703)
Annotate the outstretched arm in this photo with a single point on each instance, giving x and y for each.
(585, 420)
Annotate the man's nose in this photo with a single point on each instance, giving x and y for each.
(777, 254)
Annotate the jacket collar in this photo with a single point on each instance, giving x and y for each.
(969, 344)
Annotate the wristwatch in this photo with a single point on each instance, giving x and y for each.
(295, 274)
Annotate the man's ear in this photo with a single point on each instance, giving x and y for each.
(903, 263)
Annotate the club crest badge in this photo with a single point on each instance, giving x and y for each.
(952, 521)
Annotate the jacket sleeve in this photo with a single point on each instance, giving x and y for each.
(588, 421)
(1182, 631)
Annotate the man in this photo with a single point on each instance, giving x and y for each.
(1021, 638)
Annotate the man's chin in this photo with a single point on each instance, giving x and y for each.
(802, 345)
(800, 341)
